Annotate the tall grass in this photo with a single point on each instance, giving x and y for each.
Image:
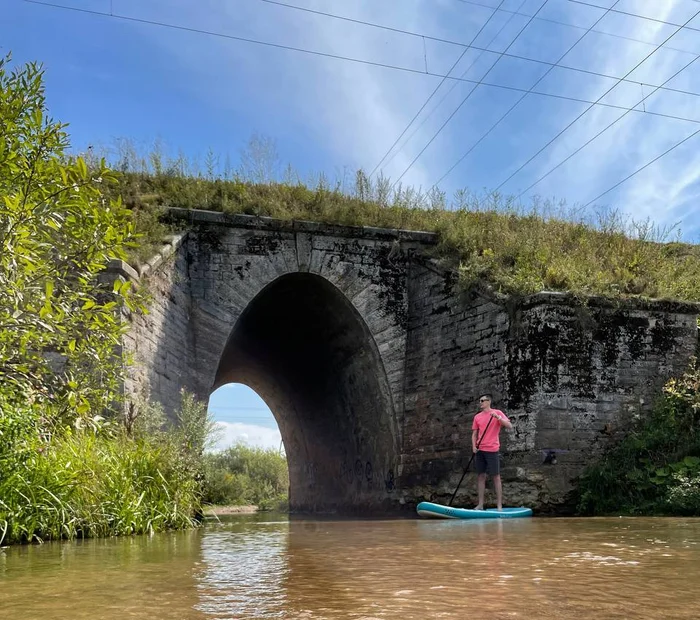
(516, 248)
(118, 480)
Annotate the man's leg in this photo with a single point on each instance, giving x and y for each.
(481, 486)
(499, 491)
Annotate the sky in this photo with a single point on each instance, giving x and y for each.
(242, 416)
(112, 78)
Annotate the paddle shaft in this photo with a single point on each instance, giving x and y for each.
(466, 469)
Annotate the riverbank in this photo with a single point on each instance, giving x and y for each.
(107, 481)
(220, 511)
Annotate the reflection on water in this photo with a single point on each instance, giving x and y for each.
(257, 566)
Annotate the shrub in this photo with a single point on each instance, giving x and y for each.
(656, 468)
(68, 467)
(243, 475)
(58, 231)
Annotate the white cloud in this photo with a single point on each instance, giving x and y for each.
(661, 191)
(355, 111)
(251, 434)
(348, 114)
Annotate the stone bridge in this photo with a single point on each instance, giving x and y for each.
(372, 359)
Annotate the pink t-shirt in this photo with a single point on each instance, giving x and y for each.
(490, 442)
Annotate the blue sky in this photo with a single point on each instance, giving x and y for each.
(112, 79)
(243, 416)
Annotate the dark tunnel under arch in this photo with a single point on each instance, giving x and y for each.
(305, 349)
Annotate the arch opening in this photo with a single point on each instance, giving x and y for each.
(304, 348)
(243, 417)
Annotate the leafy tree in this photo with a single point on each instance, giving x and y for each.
(60, 327)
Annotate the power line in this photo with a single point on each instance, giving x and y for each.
(471, 45)
(651, 19)
(454, 85)
(477, 48)
(628, 177)
(451, 116)
(590, 106)
(602, 131)
(427, 101)
(560, 23)
(221, 35)
(517, 103)
(347, 58)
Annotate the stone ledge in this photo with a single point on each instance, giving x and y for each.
(565, 298)
(172, 243)
(624, 303)
(119, 268)
(197, 216)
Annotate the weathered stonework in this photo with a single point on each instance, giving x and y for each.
(372, 361)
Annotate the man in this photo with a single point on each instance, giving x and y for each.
(486, 428)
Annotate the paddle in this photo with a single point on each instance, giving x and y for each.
(470, 461)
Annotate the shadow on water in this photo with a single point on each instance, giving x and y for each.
(143, 576)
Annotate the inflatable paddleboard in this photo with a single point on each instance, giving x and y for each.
(428, 509)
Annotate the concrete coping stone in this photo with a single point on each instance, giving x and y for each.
(121, 268)
(623, 303)
(118, 267)
(200, 216)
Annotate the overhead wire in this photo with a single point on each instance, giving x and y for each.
(517, 103)
(644, 167)
(602, 131)
(645, 17)
(427, 101)
(449, 118)
(387, 158)
(160, 24)
(471, 45)
(598, 100)
(560, 23)
(454, 85)
(405, 69)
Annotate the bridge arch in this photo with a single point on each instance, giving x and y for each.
(214, 289)
(306, 350)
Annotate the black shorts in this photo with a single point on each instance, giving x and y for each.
(488, 463)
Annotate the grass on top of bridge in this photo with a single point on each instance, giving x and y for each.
(517, 248)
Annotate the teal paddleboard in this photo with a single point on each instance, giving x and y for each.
(428, 509)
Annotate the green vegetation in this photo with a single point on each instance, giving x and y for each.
(74, 464)
(98, 483)
(656, 468)
(514, 248)
(242, 475)
(71, 462)
(58, 324)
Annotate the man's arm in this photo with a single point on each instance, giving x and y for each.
(475, 435)
(502, 420)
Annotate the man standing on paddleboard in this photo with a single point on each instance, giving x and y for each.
(486, 428)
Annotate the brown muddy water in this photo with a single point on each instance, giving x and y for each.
(262, 566)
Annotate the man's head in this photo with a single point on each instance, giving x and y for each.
(485, 402)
